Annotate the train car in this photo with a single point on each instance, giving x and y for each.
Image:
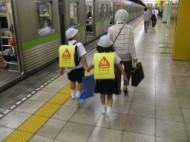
(37, 28)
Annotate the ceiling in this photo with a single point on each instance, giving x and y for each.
(158, 1)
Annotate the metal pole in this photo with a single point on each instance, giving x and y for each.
(62, 21)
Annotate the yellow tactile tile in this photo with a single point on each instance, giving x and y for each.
(33, 124)
(65, 90)
(18, 136)
(47, 110)
(60, 98)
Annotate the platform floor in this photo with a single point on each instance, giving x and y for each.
(158, 110)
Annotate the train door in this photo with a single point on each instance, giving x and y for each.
(9, 61)
(90, 24)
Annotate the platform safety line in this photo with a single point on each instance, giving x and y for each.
(136, 23)
(30, 127)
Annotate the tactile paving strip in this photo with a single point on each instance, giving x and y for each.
(18, 136)
(28, 129)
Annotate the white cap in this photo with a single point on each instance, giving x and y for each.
(105, 41)
(71, 32)
(121, 16)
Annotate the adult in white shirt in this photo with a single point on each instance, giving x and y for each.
(155, 11)
(124, 45)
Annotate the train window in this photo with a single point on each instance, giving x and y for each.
(111, 9)
(74, 14)
(106, 11)
(3, 16)
(111, 13)
(101, 12)
(45, 17)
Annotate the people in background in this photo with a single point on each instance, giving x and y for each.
(155, 12)
(8, 54)
(153, 18)
(124, 45)
(146, 17)
(107, 87)
(47, 27)
(89, 14)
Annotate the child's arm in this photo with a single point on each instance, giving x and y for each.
(84, 62)
(123, 72)
(90, 67)
(61, 71)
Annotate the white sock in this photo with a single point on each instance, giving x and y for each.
(108, 109)
(103, 109)
(73, 94)
(78, 94)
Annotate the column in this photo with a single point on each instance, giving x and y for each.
(182, 35)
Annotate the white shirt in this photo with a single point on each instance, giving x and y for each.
(44, 30)
(117, 59)
(81, 52)
(146, 15)
(155, 11)
(125, 40)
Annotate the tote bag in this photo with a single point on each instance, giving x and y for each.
(137, 75)
(88, 86)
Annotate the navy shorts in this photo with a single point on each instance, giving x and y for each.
(76, 75)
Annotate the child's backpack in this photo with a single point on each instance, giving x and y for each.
(65, 58)
(76, 57)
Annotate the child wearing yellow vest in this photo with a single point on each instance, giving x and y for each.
(76, 73)
(107, 87)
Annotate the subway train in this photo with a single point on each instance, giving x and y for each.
(32, 30)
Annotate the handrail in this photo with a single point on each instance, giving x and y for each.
(6, 37)
(2, 45)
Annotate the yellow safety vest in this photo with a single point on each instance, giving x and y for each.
(104, 66)
(66, 56)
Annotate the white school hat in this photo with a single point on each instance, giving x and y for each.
(71, 32)
(105, 41)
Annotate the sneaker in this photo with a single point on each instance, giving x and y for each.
(72, 96)
(103, 110)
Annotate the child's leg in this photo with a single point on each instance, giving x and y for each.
(78, 89)
(73, 89)
(103, 99)
(103, 102)
(109, 103)
(79, 76)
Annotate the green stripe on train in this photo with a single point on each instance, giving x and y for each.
(3, 15)
(40, 40)
(45, 39)
(81, 28)
(103, 22)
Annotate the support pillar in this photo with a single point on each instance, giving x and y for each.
(182, 40)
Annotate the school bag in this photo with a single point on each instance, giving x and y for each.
(76, 57)
(87, 87)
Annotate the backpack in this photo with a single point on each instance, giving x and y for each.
(153, 17)
(76, 57)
